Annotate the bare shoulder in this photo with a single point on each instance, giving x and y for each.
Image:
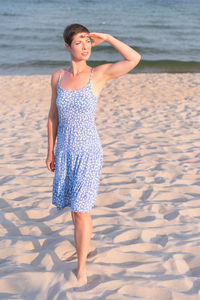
(54, 77)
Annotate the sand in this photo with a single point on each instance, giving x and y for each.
(146, 221)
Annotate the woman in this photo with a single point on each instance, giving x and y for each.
(79, 155)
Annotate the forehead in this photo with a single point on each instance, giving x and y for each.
(80, 35)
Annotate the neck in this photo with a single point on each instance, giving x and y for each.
(77, 67)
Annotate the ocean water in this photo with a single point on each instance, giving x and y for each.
(165, 32)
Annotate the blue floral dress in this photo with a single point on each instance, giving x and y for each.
(79, 154)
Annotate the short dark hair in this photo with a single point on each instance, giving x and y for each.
(71, 30)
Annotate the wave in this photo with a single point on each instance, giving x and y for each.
(7, 14)
(145, 66)
(169, 66)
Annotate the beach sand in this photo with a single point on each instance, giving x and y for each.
(146, 219)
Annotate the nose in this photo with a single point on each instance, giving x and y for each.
(84, 45)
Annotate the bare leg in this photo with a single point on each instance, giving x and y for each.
(74, 222)
(83, 233)
(73, 217)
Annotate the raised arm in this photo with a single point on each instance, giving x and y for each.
(131, 57)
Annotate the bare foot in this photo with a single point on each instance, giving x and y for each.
(82, 277)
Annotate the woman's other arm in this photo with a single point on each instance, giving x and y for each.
(52, 124)
(131, 57)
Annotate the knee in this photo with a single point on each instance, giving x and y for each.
(81, 217)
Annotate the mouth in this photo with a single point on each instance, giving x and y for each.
(84, 53)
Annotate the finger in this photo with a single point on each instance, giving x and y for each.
(52, 166)
(92, 34)
(48, 167)
(48, 163)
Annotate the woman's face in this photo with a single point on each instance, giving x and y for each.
(80, 48)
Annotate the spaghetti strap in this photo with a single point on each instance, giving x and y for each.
(59, 76)
(91, 74)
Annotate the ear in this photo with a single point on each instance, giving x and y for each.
(67, 47)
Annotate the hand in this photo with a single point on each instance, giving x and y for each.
(98, 38)
(50, 162)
